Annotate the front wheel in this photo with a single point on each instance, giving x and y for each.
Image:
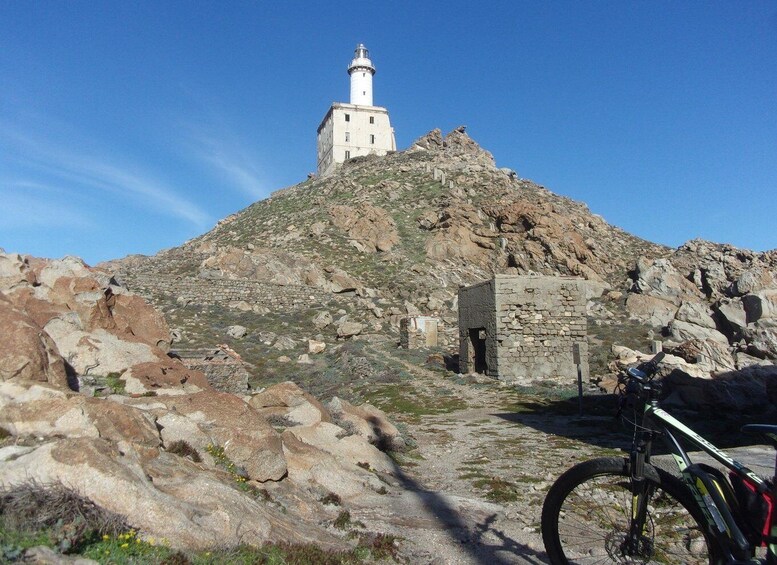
(587, 514)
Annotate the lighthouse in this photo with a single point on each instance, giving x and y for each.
(361, 70)
(357, 128)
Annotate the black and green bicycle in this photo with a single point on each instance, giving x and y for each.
(627, 510)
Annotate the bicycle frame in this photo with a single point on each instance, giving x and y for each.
(702, 481)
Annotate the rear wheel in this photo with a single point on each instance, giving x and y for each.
(587, 513)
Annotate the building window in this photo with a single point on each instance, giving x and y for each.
(347, 136)
(372, 138)
(372, 119)
(347, 154)
(348, 117)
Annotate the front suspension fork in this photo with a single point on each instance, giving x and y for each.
(636, 543)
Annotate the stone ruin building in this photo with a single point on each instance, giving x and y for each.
(416, 332)
(223, 367)
(524, 328)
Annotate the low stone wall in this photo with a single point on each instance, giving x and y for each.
(223, 291)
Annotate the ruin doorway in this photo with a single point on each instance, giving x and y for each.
(477, 356)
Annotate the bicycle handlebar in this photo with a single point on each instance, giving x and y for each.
(650, 367)
(643, 373)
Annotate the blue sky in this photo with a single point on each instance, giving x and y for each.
(129, 127)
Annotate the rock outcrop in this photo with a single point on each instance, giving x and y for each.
(715, 303)
(179, 460)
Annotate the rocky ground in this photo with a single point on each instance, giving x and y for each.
(475, 483)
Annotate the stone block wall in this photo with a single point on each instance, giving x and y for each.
(417, 332)
(224, 372)
(523, 328)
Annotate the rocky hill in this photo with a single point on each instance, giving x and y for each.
(385, 237)
(303, 293)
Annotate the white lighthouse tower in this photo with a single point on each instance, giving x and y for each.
(361, 70)
(358, 128)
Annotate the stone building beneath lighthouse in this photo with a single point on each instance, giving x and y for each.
(357, 128)
(522, 329)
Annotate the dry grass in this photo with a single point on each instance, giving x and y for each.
(70, 519)
(184, 449)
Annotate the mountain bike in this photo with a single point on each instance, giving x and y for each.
(627, 510)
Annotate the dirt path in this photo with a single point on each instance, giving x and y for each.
(473, 490)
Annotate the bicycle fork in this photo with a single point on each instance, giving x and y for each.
(637, 543)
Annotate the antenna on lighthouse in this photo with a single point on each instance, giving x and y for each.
(361, 70)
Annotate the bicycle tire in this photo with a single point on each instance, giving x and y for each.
(586, 516)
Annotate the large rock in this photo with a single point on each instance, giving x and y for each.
(136, 317)
(430, 141)
(347, 328)
(707, 355)
(164, 377)
(98, 352)
(749, 391)
(83, 296)
(27, 353)
(626, 357)
(755, 280)
(657, 312)
(761, 338)
(683, 331)
(48, 272)
(372, 228)
(15, 272)
(322, 320)
(349, 449)
(80, 416)
(697, 313)
(661, 279)
(717, 269)
(162, 495)
(310, 466)
(231, 423)
(237, 331)
(762, 304)
(291, 402)
(732, 312)
(369, 422)
(339, 281)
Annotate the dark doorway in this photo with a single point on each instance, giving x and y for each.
(477, 339)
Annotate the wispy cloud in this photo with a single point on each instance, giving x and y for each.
(224, 153)
(101, 172)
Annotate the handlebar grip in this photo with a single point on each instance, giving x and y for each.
(658, 358)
